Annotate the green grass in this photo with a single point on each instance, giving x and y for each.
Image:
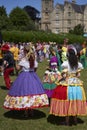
(13, 120)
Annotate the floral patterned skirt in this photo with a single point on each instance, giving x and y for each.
(27, 92)
(49, 83)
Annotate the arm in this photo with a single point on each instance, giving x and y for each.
(35, 66)
(64, 65)
(80, 66)
(18, 67)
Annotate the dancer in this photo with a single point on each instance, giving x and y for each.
(27, 90)
(8, 64)
(69, 97)
(51, 75)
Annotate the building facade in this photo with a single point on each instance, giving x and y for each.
(62, 17)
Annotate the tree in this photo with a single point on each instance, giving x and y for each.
(20, 20)
(3, 11)
(78, 30)
(4, 20)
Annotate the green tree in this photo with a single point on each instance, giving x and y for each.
(78, 30)
(4, 20)
(20, 20)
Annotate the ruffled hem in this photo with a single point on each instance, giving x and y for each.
(26, 102)
(68, 108)
(26, 108)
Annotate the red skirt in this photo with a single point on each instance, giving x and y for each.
(60, 92)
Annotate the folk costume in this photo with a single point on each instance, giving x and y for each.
(69, 97)
(27, 91)
(8, 65)
(51, 75)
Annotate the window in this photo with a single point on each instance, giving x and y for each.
(57, 31)
(46, 2)
(69, 13)
(69, 21)
(46, 26)
(69, 7)
(57, 16)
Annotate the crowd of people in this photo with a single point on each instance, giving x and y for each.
(61, 87)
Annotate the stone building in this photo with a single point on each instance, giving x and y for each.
(62, 17)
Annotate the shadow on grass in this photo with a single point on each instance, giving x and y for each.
(3, 87)
(37, 114)
(61, 120)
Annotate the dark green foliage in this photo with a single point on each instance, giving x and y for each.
(4, 20)
(20, 20)
(34, 36)
(3, 11)
(78, 30)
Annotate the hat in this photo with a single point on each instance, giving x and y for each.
(5, 47)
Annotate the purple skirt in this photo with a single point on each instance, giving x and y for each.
(27, 92)
(27, 83)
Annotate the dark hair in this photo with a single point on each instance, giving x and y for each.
(72, 58)
(31, 61)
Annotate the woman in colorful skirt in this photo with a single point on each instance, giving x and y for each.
(27, 91)
(51, 75)
(49, 81)
(69, 97)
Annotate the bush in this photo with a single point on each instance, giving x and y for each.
(35, 36)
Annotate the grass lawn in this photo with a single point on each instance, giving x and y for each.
(13, 120)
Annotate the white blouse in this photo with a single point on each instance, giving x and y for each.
(65, 65)
(26, 66)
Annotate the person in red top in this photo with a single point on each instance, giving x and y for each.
(8, 64)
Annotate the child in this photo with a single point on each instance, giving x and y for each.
(51, 74)
(27, 90)
(49, 79)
